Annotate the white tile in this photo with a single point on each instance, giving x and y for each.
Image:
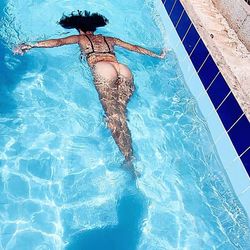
(215, 125)
(238, 176)
(245, 201)
(226, 150)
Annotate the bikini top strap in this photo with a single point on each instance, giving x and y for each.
(92, 45)
(106, 43)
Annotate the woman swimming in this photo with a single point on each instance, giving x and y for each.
(113, 80)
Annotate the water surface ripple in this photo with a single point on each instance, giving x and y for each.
(60, 170)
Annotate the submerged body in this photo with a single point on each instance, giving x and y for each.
(114, 84)
(113, 80)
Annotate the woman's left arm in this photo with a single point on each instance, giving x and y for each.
(51, 43)
(138, 49)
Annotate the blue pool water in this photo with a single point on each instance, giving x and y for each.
(62, 184)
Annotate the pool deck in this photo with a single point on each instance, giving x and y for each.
(229, 53)
(181, 35)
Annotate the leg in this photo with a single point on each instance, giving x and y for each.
(110, 88)
(125, 89)
(118, 125)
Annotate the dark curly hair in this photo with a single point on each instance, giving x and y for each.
(83, 21)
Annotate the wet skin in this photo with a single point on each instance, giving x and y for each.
(113, 80)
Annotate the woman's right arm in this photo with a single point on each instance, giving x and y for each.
(138, 49)
(51, 43)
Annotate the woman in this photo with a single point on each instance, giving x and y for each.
(113, 80)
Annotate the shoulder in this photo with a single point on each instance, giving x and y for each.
(72, 38)
(82, 38)
(112, 40)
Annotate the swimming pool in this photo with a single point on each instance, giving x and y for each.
(62, 184)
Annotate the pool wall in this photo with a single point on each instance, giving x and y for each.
(226, 120)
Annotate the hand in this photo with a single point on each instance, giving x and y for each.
(163, 53)
(21, 49)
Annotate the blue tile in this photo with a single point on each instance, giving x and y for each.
(199, 55)
(183, 25)
(240, 135)
(176, 13)
(208, 72)
(246, 161)
(169, 5)
(229, 111)
(191, 39)
(218, 90)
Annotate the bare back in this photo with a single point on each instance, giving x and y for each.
(97, 48)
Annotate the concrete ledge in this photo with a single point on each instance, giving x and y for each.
(237, 13)
(229, 53)
(227, 153)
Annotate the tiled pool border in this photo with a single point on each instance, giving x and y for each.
(227, 122)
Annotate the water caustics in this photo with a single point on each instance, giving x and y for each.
(61, 182)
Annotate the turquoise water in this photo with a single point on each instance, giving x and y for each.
(62, 183)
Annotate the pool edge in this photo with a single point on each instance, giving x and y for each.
(230, 158)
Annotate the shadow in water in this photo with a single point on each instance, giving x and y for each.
(124, 236)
